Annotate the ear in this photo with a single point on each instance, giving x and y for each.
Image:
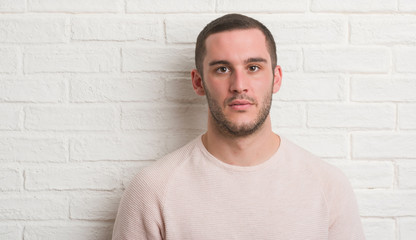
(197, 82)
(277, 78)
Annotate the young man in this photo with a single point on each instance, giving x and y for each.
(239, 180)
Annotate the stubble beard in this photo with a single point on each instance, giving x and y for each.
(231, 129)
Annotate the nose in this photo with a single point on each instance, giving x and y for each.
(238, 82)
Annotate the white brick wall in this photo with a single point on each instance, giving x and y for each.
(81, 231)
(75, 6)
(347, 59)
(68, 59)
(12, 6)
(380, 229)
(10, 231)
(110, 28)
(93, 90)
(407, 5)
(10, 57)
(33, 29)
(353, 5)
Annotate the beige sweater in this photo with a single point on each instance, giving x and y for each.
(189, 194)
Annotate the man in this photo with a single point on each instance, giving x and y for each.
(239, 180)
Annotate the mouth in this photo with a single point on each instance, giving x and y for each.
(240, 104)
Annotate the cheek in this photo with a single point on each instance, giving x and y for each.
(216, 87)
(262, 86)
(216, 94)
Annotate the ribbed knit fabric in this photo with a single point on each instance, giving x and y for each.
(189, 194)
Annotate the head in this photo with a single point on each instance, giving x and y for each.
(231, 22)
(237, 72)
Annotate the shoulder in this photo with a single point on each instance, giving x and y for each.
(335, 188)
(153, 178)
(140, 213)
(332, 183)
(330, 178)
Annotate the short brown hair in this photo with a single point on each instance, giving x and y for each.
(227, 23)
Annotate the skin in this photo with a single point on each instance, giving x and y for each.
(239, 81)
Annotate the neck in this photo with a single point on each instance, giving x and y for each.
(249, 150)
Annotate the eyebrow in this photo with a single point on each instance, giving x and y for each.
(255, 60)
(219, 62)
(249, 60)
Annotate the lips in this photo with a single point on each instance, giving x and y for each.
(240, 104)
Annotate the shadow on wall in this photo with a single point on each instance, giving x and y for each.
(185, 117)
(182, 114)
(167, 118)
(169, 113)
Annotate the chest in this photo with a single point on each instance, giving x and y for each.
(248, 207)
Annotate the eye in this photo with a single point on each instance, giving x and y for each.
(222, 70)
(253, 68)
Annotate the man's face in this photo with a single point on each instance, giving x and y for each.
(238, 80)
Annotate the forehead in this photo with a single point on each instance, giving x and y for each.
(236, 44)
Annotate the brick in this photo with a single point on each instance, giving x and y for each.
(10, 179)
(295, 29)
(71, 59)
(10, 232)
(143, 146)
(287, 115)
(311, 87)
(382, 89)
(383, 145)
(352, 116)
(160, 6)
(405, 59)
(186, 28)
(75, 6)
(407, 228)
(353, 5)
(119, 89)
(9, 60)
(32, 149)
(407, 5)
(351, 59)
(386, 203)
(71, 118)
(385, 29)
(10, 117)
(72, 178)
(67, 231)
(407, 174)
(117, 28)
(175, 59)
(265, 6)
(380, 229)
(368, 174)
(32, 90)
(12, 5)
(102, 207)
(290, 60)
(33, 29)
(180, 89)
(407, 116)
(322, 145)
(33, 208)
(158, 118)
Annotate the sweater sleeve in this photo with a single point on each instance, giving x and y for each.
(344, 219)
(139, 215)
